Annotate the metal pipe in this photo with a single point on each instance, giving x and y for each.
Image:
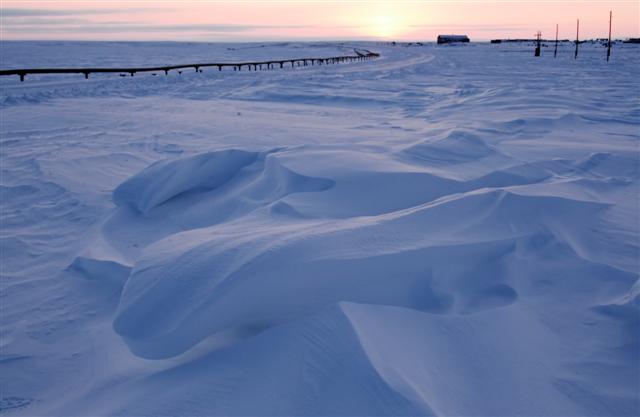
(22, 72)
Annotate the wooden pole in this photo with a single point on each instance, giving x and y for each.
(609, 43)
(555, 51)
(577, 39)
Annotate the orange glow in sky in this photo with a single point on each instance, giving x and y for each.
(312, 20)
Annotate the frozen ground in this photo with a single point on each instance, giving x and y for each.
(448, 231)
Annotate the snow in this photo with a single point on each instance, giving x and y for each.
(440, 231)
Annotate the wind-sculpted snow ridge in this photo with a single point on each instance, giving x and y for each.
(457, 147)
(456, 254)
(266, 238)
(166, 179)
(273, 237)
(299, 365)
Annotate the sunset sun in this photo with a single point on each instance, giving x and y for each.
(386, 21)
(387, 26)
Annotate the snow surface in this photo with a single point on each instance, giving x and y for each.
(446, 230)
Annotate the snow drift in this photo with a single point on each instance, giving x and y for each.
(460, 254)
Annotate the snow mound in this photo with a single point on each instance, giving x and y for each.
(456, 147)
(233, 275)
(263, 182)
(169, 178)
(321, 356)
(604, 164)
(99, 269)
(381, 360)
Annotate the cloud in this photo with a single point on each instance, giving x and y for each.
(43, 21)
(14, 12)
(115, 27)
(73, 21)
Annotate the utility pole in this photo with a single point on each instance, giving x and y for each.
(577, 39)
(555, 51)
(609, 43)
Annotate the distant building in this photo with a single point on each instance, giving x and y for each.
(452, 38)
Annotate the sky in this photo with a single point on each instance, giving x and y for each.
(231, 21)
